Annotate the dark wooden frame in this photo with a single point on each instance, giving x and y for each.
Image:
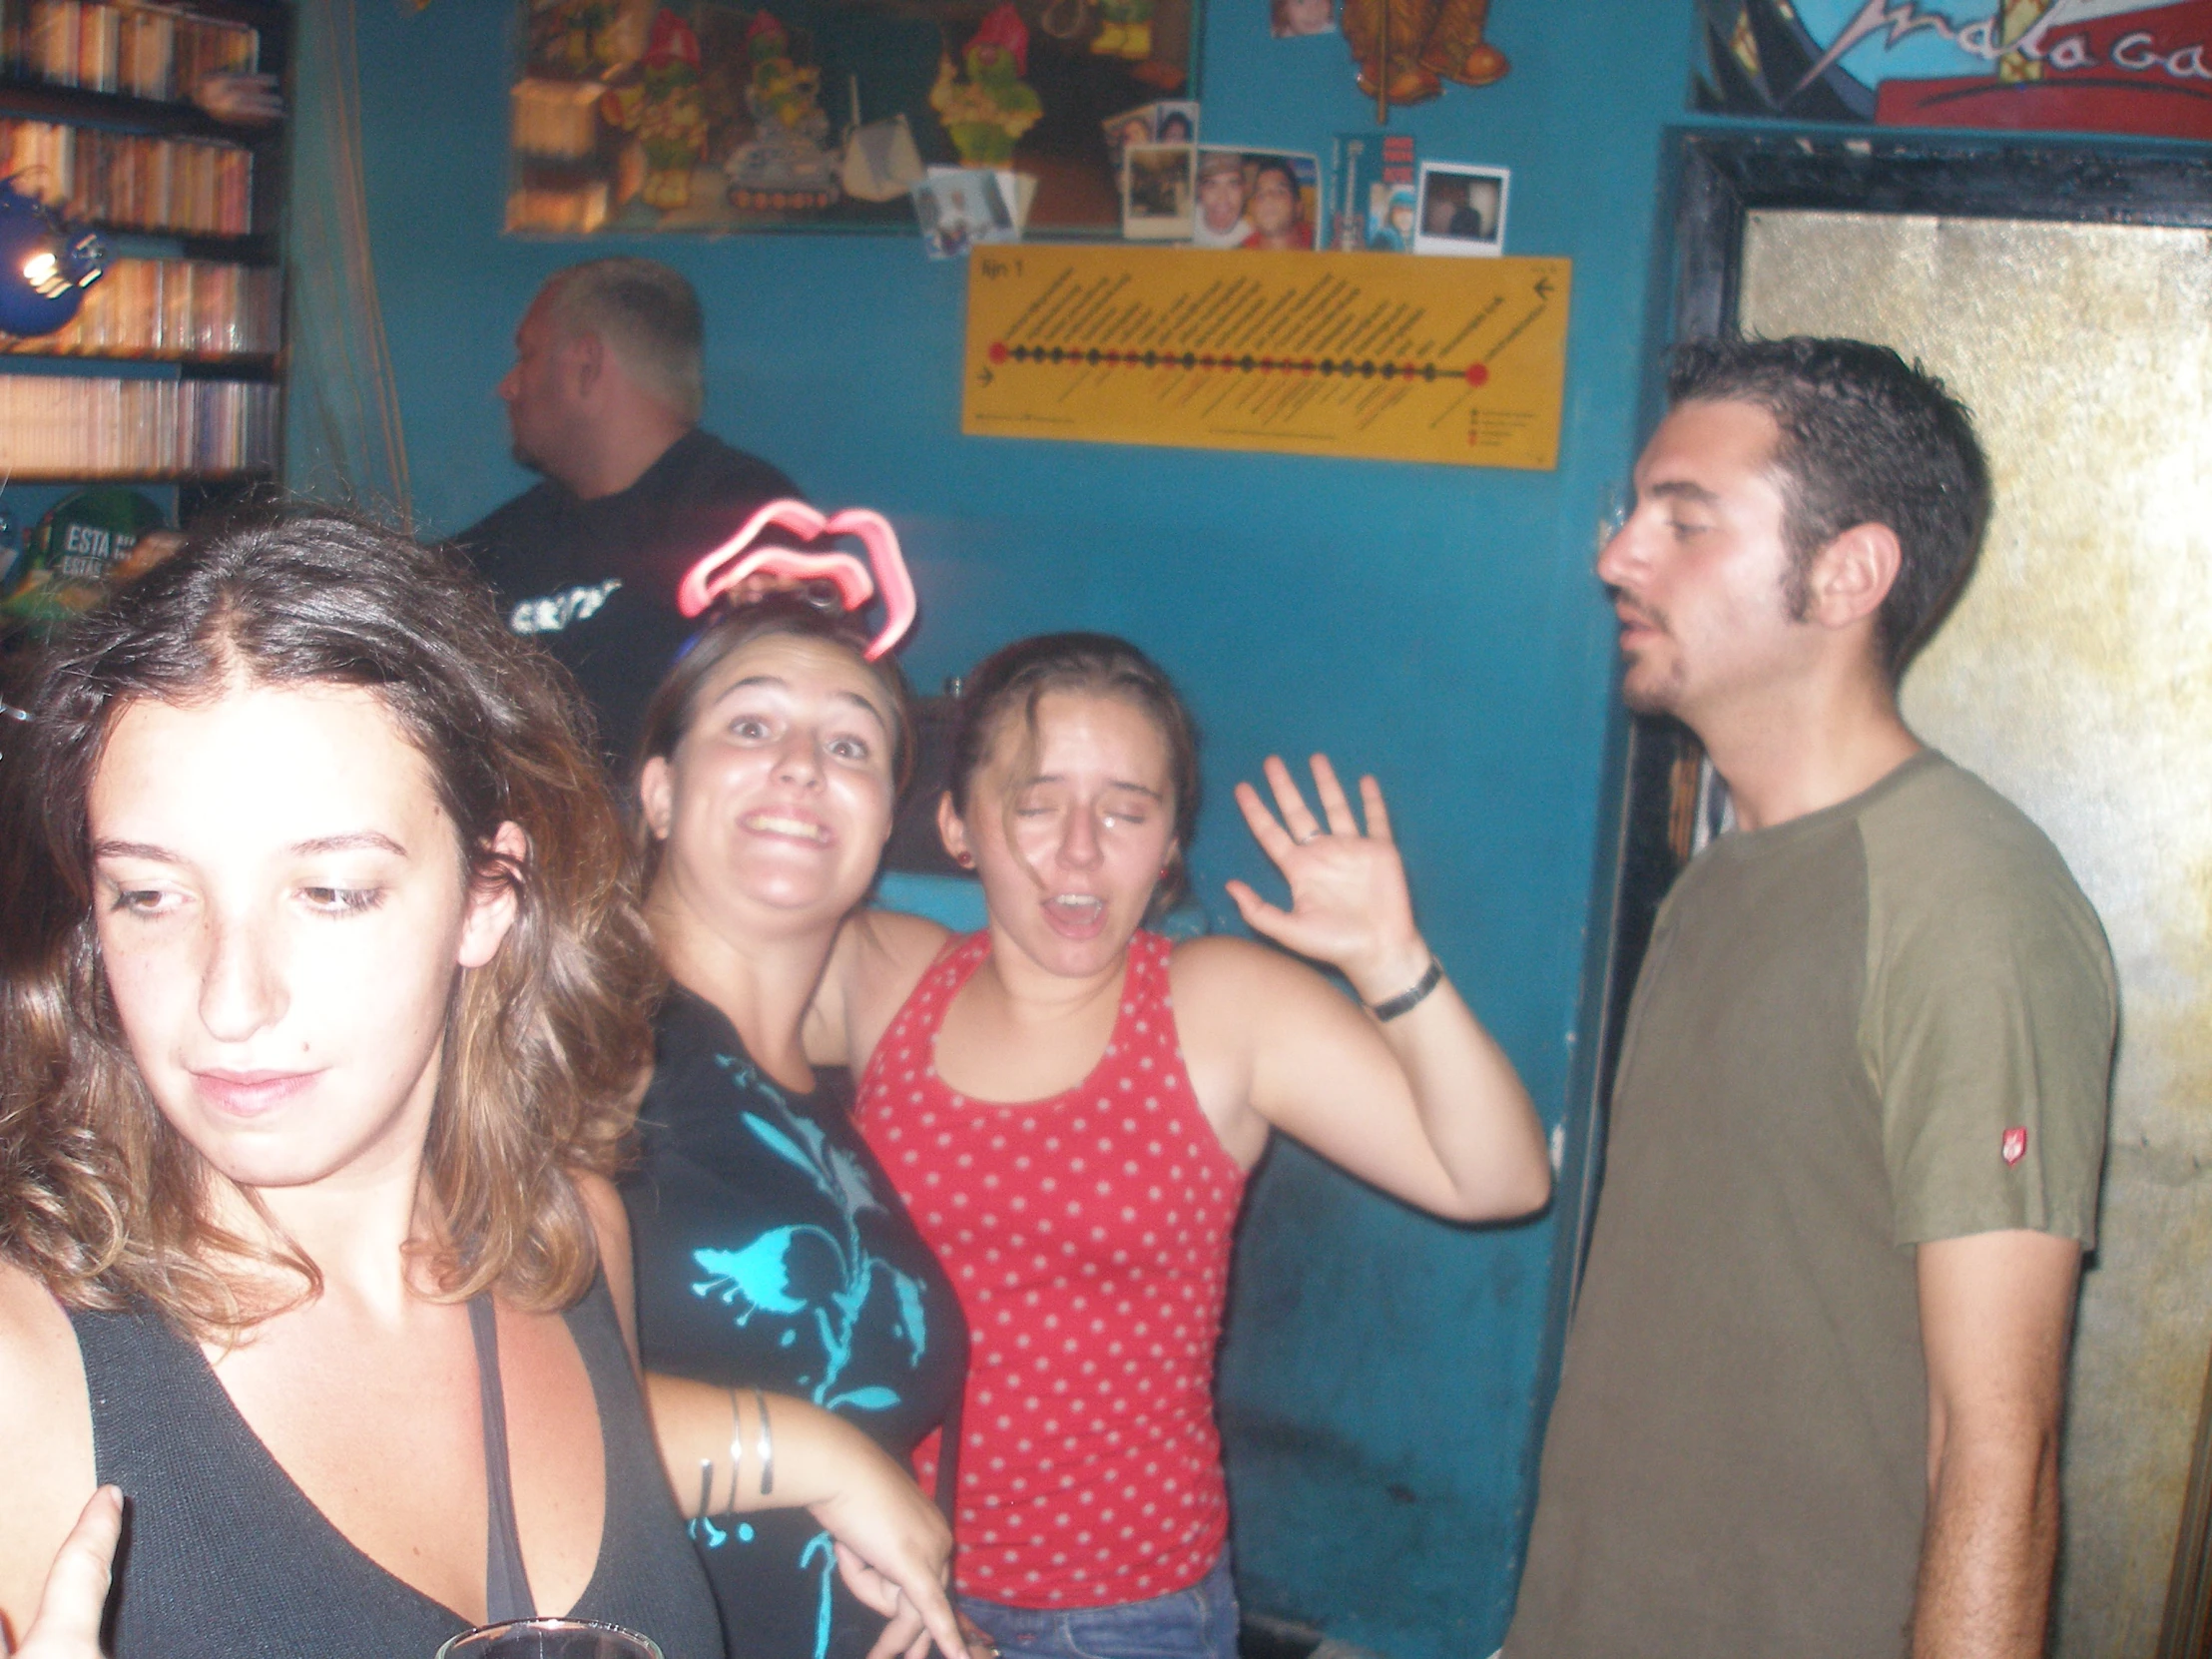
(1719, 179)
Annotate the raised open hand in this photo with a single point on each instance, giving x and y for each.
(1350, 905)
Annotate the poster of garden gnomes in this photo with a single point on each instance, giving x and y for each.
(634, 116)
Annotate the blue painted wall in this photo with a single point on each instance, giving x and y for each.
(1436, 625)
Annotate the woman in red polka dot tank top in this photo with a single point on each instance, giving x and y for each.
(1068, 1105)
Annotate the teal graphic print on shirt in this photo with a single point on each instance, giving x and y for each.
(772, 1254)
(817, 1280)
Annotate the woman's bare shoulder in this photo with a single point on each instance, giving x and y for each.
(1221, 964)
(1232, 994)
(610, 1224)
(884, 954)
(37, 1349)
(50, 1455)
(896, 943)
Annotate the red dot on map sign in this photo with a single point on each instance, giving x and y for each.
(1408, 370)
(998, 351)
(1478, 373)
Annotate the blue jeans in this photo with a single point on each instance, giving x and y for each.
(1197, 1623)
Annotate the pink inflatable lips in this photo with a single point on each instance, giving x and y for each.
(742, 555)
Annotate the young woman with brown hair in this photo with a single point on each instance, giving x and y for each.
(1069, 1105)
(771, 1253)
(321, 999)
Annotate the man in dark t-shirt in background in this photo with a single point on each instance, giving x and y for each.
(1811, 1399)
(604, 400)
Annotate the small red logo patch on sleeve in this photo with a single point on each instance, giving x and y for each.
(2015, 1144)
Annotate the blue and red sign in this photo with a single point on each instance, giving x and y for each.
(2097, 66)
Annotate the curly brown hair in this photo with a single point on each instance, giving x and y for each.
(99, 1197)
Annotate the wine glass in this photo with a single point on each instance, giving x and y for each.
(549, 1639)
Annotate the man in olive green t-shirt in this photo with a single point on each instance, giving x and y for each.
(1810, 1397)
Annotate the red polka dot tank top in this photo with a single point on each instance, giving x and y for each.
(1088, 1238)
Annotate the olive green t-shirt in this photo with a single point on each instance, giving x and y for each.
(1882, 1024)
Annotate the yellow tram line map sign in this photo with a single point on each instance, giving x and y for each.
(1382, 355)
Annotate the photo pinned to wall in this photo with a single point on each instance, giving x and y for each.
(1017, 189)
(1461, 209)
(1373, 189)
(1175, 121)
(1256, 199)
(962, 208)
(710, 116)
(1156, 192)
(1163, 120)
(1288, 19)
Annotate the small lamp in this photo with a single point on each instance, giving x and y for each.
(45, 266)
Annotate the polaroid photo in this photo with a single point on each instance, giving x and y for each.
(1461, 211)
(1130, 127)
(1156, 192)
(1256, 199)
(1288, 19)
(959, 208)
(1175, 121)
(1017, 189)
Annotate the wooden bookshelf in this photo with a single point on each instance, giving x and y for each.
(28, 93)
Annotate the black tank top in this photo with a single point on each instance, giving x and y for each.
(773, 1253)
(227, 1558)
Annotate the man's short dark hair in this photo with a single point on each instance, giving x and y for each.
(647, 314)
(1866, 438)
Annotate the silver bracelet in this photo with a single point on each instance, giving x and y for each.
(767, 1445)
(1407, 1001)
(737, 1450)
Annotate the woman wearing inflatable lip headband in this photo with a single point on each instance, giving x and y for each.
(321, 996)
(770, 1250)
(1069, 1105)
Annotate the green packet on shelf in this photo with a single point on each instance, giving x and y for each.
(73, 554)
